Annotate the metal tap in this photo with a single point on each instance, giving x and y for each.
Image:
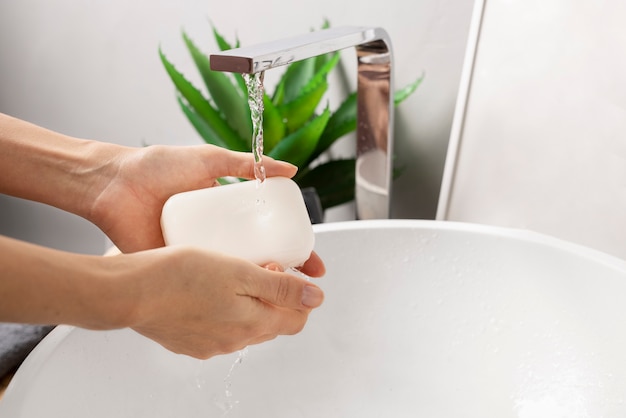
(374, 99)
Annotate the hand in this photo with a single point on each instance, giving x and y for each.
(189, 300)
(137, 184)
(202, 304)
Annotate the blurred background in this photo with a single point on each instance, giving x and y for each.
(90, 68)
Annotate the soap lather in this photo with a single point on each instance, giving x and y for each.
(260, 222)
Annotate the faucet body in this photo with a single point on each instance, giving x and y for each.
(374, 99)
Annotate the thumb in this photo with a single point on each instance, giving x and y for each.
(286, 290)
(241, 164)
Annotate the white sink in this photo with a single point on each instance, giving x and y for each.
(421, 319)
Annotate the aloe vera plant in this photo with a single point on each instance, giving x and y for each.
(296, 127)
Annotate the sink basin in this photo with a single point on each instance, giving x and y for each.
(421, 319)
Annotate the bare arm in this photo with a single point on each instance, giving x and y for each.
(45, 166)
(190, 301)
(120, 189)
(44, 286)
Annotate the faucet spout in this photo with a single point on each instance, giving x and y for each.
(374, 145)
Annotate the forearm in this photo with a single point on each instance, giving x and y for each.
(44, 286)
(48, 167)
(190, 301)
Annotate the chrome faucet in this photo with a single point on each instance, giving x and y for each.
(374, 99)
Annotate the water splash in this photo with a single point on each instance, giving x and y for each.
(228, 403)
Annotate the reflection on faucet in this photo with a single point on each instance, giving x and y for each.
(374, 99)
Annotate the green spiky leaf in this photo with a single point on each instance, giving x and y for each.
(401, 95)
(202, 107)
(273, 125)
(221, 42)
(299, 111)
(292, 132)
(293, 80)
(299, 145)
(231, 101)
(202, 127)
(323, 66)
(342, 121)
(224, 45)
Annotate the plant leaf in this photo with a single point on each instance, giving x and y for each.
(224, 45)
(342, 121)
(203, 108)
(279, 93)
(231, 102)
(333, 180)
(293, 80)
(299, 145)
(221, 42)
(200, 125)
(297, 112)
(323, 66)
(401, 95)
(303, 76)
(320, 60)
(273, 125)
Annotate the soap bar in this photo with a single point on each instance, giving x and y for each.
(260, 222)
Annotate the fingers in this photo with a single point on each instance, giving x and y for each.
(285, 290)
(280, 322)
(275, 168)
(275, 321)
(241, 164)
(312, 296)
(314, 266)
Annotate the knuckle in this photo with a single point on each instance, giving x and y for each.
(282, 291)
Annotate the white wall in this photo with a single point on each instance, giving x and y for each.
(541, 145)
(90, 68)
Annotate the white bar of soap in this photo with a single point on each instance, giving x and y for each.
(260, 222)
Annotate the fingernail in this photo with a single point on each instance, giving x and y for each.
(312, 296)
(290, 165)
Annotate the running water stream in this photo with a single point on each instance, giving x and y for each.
(254, 83)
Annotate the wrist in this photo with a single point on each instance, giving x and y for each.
(98, 165)
(52, 168)
(45, 286)
(119, 280)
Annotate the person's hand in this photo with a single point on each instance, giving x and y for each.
(202, 304)
(190, 300)
(137, 184)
